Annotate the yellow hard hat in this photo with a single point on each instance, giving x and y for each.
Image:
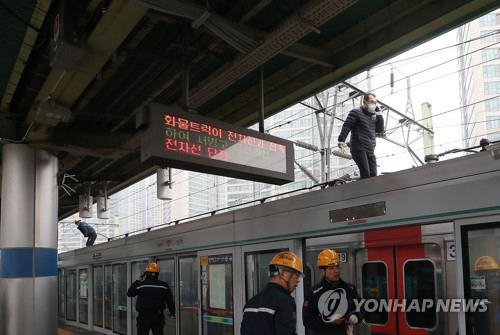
(153, 267)
(287, 259)
(328, 257)
(78, 220)
(485, 263)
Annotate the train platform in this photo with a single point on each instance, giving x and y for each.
(70, 330)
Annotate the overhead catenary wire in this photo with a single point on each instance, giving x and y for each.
(302, 116)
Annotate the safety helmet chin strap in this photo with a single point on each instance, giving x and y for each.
(286, 281)
(275, 270)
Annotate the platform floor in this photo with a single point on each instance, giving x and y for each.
(69, 330)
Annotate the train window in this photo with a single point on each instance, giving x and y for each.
(257, 271)
(62, 293)
(309, 275)
(374, 283)
(120, 298)
(420, 284)
(481, 257)
(98, 296)
(188, 295)
(108, 299)
(71, 295)
(217, 294)
(83, 289)
(167, 274)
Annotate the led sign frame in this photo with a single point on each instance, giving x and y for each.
(184, 140)
(358, 212)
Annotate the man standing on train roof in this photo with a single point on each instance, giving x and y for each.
(329, 306)
(364, 123)
(273, 310)
(87, 231)
(153, 297)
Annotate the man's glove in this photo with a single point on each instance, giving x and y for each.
(353, 319)
(337, 319)
(378, 111)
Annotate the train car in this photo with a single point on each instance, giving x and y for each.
(429, 234)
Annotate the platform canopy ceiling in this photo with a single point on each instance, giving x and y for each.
(74, 73)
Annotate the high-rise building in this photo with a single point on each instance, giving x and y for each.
(196, 193)
(479, 66)
(299, 124)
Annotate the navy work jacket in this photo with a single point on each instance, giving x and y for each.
(312, 317)
(270, 312)
(86, 229)
(152, 295)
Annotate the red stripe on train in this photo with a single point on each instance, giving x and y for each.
(393, 237)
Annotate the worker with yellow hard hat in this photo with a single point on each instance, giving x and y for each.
(329, 306)
(484, 288)
(485, 263)
(87, 231)
(272, 311)
(153, 297)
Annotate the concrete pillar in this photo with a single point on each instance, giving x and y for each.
(28, 242)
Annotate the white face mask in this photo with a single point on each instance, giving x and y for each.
(371, 108)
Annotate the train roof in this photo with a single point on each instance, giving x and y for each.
(437, 192)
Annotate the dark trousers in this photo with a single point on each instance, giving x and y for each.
(91, 239)
(154, 320)
(366, 162)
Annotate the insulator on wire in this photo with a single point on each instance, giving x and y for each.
(347, 176)
(308, 173)
(340, 180)
(341, 154)
(307, 146)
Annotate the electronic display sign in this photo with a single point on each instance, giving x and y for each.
(358, 212)
(184, 140)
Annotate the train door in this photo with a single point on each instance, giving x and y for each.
(399, 280)
(479, 250)
(99, 296)
(108, 297)
(61, 284)
(119, 298)
(255, 262)
(77, 298)
(230, 277)
(83, 298)
(71, 296)
(188, 295)
(167, 274)
(217, 294)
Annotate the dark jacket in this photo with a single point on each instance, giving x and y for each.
(312, 317)
(270, 312)
(363, 127)
(86, 229)
(152, 295)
